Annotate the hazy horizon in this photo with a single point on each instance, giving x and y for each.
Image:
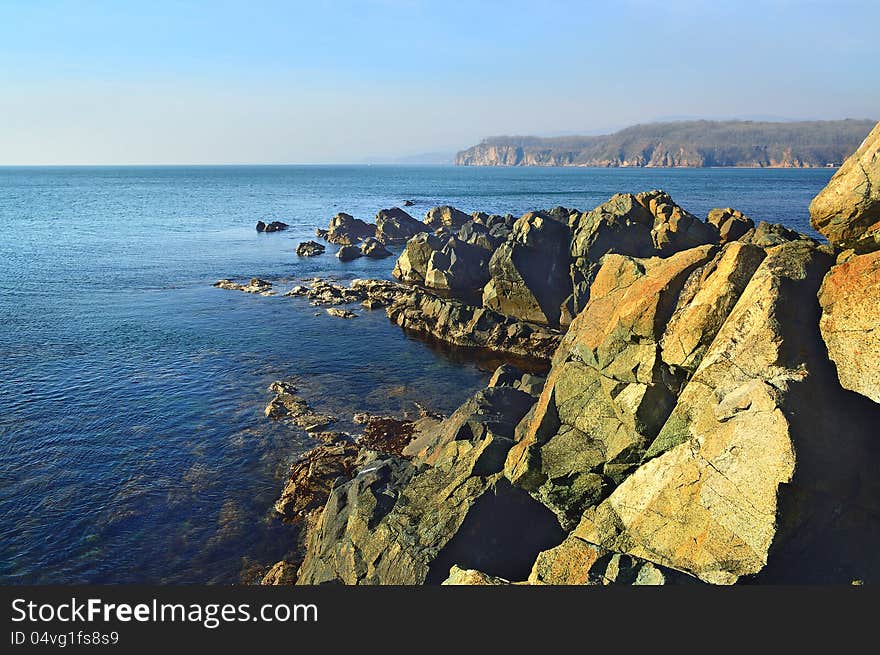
(268, 82)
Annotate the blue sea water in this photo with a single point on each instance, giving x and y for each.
(133, 447)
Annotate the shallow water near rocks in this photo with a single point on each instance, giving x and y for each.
(133, 446)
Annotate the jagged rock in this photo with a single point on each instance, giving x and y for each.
(640, 225)
(577, 562)
(609, 391)
(409, 203)
(346, 230)
(508, 375)
(457, 267)
(478, 234)
(768, 235)
(309, 249)
(745, 476)
(373, 248)
(313, 476)
(255, 285)
(459, 576)
(730, 223)
(455, 322)
(530, 272)
(281, 573)
(412, 265)
(396, 226)
(850, 324)
(340, 313)
(402, 522)
(349, 253)
(274, 226)
(705, 302)
(446, 216)
(847, 210)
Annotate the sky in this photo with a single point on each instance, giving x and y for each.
(260, 81)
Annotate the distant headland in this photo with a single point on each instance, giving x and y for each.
(688, 144)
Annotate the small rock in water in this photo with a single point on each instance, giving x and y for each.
(409, 203)
(274, 226)
(349, 253)
(340, 313)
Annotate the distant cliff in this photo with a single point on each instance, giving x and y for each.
(687, 144)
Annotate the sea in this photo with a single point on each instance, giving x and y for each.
(133, 444)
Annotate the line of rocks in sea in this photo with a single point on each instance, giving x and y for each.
(710, 414)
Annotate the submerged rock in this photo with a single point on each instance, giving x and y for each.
(340, 313)
(255, 285)
(288, 406)
(309, 249)
(847, 210)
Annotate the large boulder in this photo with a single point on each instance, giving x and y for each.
(847, 210)
(478, 234)
(394, 226)
(458, 267)
(850, 324)
(530, 272)
(764, 467)
(445, 216)
(345, 229)
(349, 253)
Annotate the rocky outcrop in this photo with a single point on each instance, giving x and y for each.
(739, 480)
(640, 225)
(310, 249)
(408, 522)
(460, 324)
(609, 391)
(768, 235)
(478, 234)
(529, 273)
(273, 226)
(847, 210)
(374, 249)
(395, 226)
(731, 223)
(346, 230)
(445, 217)
(850, 324)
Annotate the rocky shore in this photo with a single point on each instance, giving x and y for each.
(710, 414)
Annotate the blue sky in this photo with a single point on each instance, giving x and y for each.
(92, 81)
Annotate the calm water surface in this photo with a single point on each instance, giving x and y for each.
(132, 442)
